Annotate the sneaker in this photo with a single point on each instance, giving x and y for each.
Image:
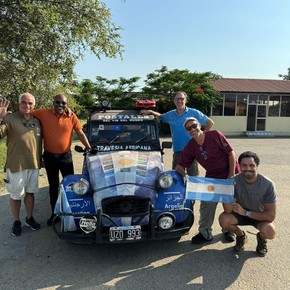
(16, 229)
(229, 236)
(261, 249)
(32, 224)
(199, 239)
(240, 243)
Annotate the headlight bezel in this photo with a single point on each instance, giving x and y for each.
(166, 221)
(80, 187)
(165, 180)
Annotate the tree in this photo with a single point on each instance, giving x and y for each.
(285, 77)
(118, 92)
(85, 98)
(42, 40)
(162, 84)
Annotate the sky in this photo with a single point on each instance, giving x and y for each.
(232, 38)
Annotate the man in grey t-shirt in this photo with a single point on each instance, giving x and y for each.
(255, 204)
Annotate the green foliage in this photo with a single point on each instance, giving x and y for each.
(285, 77)
(2, 160)
(162, 84)
(119, 92)
(41, 41)
(2, 153)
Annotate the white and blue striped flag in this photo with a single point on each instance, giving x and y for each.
(210, 189)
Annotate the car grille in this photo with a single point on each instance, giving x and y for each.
(125, 206)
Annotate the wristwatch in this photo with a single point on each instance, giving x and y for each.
(248, 213)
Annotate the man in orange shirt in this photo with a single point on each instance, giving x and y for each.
(58, 124)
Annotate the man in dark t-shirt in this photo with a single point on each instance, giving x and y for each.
(214, 153)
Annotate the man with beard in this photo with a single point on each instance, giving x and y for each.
(58, 124)
(255, 204)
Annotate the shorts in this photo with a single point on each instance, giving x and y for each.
(18, 183)
(245, 221)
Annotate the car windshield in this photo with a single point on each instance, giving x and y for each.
(122, 133)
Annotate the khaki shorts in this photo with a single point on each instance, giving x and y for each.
(19, 183)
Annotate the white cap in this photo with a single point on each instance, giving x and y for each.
(189, 119)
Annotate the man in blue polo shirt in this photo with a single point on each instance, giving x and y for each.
(175, 118)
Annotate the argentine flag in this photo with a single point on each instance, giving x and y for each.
(210, 189)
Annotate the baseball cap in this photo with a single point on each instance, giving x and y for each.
(189, 119)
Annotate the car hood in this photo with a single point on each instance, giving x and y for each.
(124, 173)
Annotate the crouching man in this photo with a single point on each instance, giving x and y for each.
(255, 205)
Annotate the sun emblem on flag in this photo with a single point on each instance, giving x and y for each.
(125, 162)
(210, 188)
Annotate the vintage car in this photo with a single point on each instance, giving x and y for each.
(123, 193)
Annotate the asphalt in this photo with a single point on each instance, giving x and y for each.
(38, 260)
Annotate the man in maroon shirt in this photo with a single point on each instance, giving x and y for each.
(214, 153)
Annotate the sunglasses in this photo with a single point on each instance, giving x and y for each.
(193, 126)
(28, 125)
(60, 103)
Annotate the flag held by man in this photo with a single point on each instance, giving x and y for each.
(210, 189)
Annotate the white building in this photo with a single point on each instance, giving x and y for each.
(253, 107)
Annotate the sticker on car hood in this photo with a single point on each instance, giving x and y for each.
(88, 224)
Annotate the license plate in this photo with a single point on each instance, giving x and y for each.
(125, 233)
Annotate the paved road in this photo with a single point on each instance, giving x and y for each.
(38, 260)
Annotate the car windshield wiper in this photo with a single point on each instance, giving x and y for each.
(141, 139)
(117, 137)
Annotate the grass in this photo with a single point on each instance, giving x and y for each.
(2, 161)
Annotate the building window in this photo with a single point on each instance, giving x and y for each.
(237, 105)
(261, 124)
(241, 105)
(262, 111)
(274, 106)
(253, 99)
(263, 99)
(230, 105)
(285, 106)
(217, 109)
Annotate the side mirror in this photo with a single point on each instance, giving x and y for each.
(166, 144)
(79, 149)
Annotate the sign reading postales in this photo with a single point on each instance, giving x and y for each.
(133, 116)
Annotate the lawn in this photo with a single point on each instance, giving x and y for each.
(2, 161)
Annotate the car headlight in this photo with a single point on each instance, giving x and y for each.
(81, 187)
(165, 180)
(166, 221)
